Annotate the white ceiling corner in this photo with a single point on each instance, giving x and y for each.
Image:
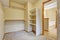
(5, 3)
(54, 4)
(20, 1)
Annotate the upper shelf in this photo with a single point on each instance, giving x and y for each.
(17, 8)
(32, 19)
(32, 24)
(33, 10)
(33, 14)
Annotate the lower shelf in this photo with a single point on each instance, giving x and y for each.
(14, 20)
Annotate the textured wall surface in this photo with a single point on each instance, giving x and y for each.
(51, 13)
(13, 26)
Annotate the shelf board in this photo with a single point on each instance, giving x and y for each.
(32, 19)
(17, 8)
(32, 24)
(33, 15)
(14, 20)
(33, 10)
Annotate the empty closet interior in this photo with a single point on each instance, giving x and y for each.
(23, 16)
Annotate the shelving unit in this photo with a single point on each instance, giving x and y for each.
(35, 21)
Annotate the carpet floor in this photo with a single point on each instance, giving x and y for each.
(22, 35)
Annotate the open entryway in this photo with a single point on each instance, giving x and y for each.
(50, 19)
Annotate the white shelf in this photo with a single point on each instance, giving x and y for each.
(32, 19)
(14, 20)
(18, 8)
(35, 20)
(33, 15)
(33, 10)
(32, 24)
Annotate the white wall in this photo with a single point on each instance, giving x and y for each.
(51, 14)
(39, 6)
(14, 14)
(1, 23)
(13, 26)
(38, 23)
(45, 15)
(46, 23)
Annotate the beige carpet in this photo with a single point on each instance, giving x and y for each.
(22, 35)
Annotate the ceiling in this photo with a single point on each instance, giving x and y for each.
(33, 1)
(5, 3)
(44, 0)
(51, 4)
(52, 1)
(24, 1)
(20, 1)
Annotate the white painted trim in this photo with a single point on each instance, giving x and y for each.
(50, 5)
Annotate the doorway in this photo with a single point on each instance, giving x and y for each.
(49, 17)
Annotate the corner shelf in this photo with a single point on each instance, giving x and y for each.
(32, 19)
(33, 14)
(35, 20)
(32, 24)
(33, 10)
